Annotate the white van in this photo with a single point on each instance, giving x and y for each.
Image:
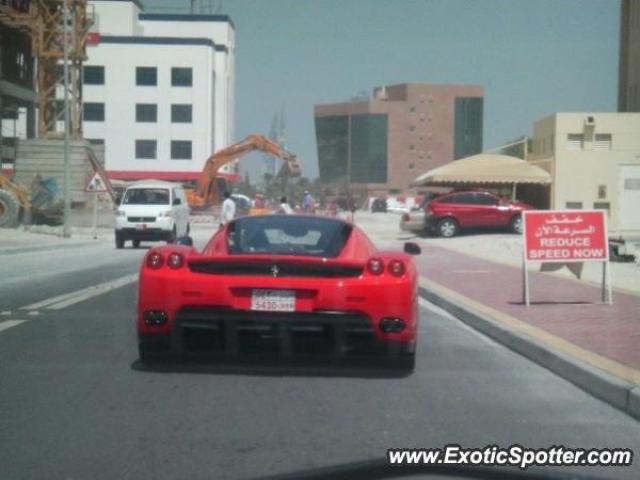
(152, 210)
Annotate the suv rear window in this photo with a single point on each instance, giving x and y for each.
(288, 235)
(146, 196)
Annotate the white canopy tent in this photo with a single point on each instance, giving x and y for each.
(484, 169)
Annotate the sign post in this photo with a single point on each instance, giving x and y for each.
(95, 185)
(566, 236)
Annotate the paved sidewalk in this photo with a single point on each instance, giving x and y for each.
(566, 321)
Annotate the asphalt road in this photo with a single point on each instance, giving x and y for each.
(75, 403)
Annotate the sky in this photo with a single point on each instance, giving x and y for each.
(533, 58)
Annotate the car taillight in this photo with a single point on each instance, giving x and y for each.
(396, 268)
(376, 266)
(175, 260)
(155, 260)
(406, 217)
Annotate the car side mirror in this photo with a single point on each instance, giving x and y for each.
(186, 241)
(412, 248)
(177, 201)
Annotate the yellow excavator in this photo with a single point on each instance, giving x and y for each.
(14, 200)
(208, 191)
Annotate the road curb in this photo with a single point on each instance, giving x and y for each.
(621, 394)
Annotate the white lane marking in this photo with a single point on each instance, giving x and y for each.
(34, 312)
(62, 301)
(10, 323)
(5, 313)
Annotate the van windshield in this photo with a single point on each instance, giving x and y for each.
(146, 196)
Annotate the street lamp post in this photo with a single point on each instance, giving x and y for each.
(67, 167)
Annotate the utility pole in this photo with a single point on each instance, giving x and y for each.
(66, 232)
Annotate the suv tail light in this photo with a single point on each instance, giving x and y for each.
(155, 260)
(396, 268)
(175, 260)
(375, 266)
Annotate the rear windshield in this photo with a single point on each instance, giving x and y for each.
(146, 196)
(288, 235)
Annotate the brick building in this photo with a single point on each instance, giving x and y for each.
(379, 146)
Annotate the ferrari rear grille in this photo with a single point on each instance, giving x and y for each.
(236, 333)
(141, 219)
(275, 269)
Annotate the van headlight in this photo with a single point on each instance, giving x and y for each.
(168, 213)
(120, 213)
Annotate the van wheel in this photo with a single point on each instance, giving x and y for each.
(447, 227)
(136, 243)
(516, 224)
(188, 228)
(119, 240)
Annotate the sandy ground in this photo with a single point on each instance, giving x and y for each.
(498, 247)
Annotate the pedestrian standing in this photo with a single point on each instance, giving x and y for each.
(228, 210)
(285, 208)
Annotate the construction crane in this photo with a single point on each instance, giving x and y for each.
(43, 21)
(208, 189)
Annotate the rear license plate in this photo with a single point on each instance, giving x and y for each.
(273, 300)
(141, 226)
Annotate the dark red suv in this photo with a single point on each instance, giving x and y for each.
(447, 214)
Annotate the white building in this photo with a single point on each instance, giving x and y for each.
(158, 90)
(594, 161)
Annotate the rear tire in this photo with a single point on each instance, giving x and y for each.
(119, 240)
(136, 243)
(9, 209)
(153, 350)
(516, 224)
(448, 227)
(188, 228)
(405, 363)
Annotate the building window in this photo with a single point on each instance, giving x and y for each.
(93, 75)
(95, 141)
(412, 109)
(602, 192)
(632, 183)
(93, 112)
(146, 149)
(574, 141)
(412, 128)
(181, 113)
(412, 166)
(601, 206)
(573, 205)
(146, 112)
(180, 150)
(602, 141)
(181, 77)
(412, 147)
(146, 76)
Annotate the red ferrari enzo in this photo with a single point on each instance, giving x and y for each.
(283, 286)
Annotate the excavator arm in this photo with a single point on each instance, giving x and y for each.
(208, 188)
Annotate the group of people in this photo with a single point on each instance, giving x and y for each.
(228, 209)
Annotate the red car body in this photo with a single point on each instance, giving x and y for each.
(357, 303)
(448, 213)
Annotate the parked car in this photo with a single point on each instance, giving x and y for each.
(448, 214)
(152, 210)
(379, 205)
(416, 219)
(274, 286)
